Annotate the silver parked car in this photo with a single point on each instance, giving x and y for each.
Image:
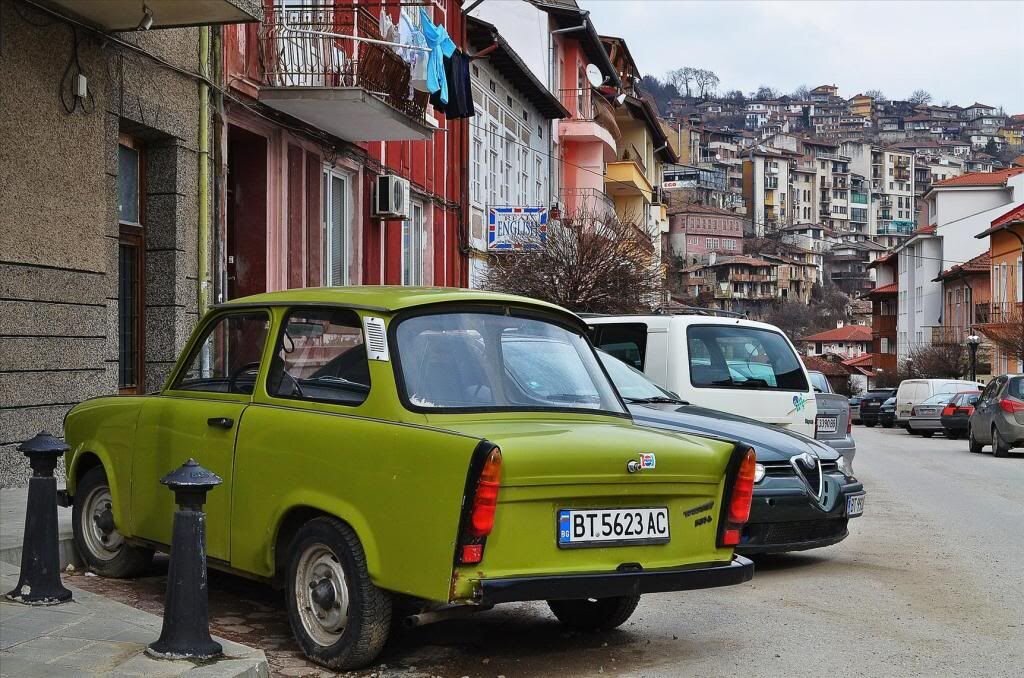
(998, 417)
(926, 416)
(832, 424)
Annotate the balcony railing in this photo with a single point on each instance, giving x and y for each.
(588, 106)
(981, 313)
(587, 201)
(632, 153)
(306, 47)
(883, 326)
(1005, 312)
(896, 228)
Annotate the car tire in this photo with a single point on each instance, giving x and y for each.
(340, 619)
(594, 614)
(927, 434)
(972, 443)
(999, 446)
(97, 540)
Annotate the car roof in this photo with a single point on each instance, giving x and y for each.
(390, 298)
(665, 320)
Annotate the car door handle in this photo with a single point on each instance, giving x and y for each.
(220, 422)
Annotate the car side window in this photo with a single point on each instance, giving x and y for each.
(227, 357)
(320, 356)
(627, 342)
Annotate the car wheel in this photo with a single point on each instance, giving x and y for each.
(972, 443)
(100, 545)
(999, 447)
(594, 614)
(927, 434)
(340, 619)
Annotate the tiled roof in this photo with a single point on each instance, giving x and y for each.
(891, 288)
(829, 369)
(846, 333)
(742, 260)
(978, 264)
(1016, 214)
(706, 209)
(863, 360)
(997, 178)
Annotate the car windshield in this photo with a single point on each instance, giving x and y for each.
(889, 401)
(633, 385)
(737, 356)
(487, 361)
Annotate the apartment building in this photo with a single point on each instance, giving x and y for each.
(892, 181)
(1006, 312)
(884, 312)
(107, 203)
(695, 231)
(766, 188)
(741, 284)
(966, 294)
(848, 341)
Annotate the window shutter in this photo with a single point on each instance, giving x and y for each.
(338, 253)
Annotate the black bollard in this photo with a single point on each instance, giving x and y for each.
(39, 583)
(186, 629)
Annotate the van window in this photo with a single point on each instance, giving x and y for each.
(730, 356)
(627, 342)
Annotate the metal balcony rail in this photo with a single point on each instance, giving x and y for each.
(328, 46)
(632, 153)
(579, 102)
(586, 200)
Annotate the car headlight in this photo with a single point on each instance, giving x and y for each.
(845, 467)
(758, 472)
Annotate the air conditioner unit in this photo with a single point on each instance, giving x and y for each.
(392, 200)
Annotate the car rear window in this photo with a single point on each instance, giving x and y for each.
(625, 341)
(734, 356)
(1015, 388)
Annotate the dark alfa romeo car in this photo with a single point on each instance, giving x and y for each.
(805, 492)
(871, 405)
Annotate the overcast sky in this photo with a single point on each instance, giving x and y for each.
(960, 51)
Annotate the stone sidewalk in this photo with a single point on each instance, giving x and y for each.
(95, 636)
(12, 528)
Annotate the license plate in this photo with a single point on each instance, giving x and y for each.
(611, 527)
(828, 424)
(855, 505)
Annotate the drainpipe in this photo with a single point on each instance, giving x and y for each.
(203, 243)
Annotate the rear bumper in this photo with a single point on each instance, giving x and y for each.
(924, 424)
(611, 584)
(957, 422)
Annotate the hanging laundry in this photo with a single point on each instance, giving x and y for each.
(416, 58)
(460, 91)
(388, 30)
(441, 46)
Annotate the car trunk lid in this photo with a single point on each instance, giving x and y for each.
(833, 416)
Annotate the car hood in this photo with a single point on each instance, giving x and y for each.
(772, 443)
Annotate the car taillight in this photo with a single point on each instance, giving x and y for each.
(1011, 406)
(849, 425)
(482, 488)
(948, 411)
(485, 501)
(968, 410)
(740, 499)
(913, 411)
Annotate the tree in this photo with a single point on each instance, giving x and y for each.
(946, 360)
(992, 148)
(735, 96)
(706, 81)
(1006, 332)
(764, 92)
(591, 262)
(663, 92)
(801, 93)
(875, 94)
(920, 97)
(681, 79)
(794, 318)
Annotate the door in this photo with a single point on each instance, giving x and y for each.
(198, 417)
(981, 422)
(246, 238)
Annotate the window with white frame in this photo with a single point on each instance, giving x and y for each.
(495, 141)
(413, 245)
(506, 177)
(337, 225)
(476, 172)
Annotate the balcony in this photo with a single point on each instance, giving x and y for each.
(883, 326)
(771, 183)
(896, 228)
(885, 203)
(859, 198)
(627, 178)
(901, 174)
(127, 15)
(593, 119)
(355, 89)
(769, 200)
(586, 201)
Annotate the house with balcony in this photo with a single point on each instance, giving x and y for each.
(884, 313)
(847, 341)
(108, 200)
(966, 294)
(509, 169)
(695, 231)
(340, 170)
(766, 188)
(632, 179)
(847, 266)
(741, 284)
(1005, 321)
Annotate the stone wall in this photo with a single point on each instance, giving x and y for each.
(59, 229)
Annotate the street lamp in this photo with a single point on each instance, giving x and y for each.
(972, 345)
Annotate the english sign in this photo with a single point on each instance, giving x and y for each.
(516, 228)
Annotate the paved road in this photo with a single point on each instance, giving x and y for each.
(930, 583)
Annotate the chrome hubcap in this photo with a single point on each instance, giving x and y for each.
(321, 594)
(101, 537)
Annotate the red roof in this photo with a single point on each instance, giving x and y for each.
(847, 333)
(978, 264)
(863, 360)
(1013, 216)
(997, 178)
(891, 288)
(826, 367)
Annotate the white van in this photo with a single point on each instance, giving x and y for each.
(913, 391)
(724, 363)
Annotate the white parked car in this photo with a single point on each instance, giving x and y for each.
(720, 362)
(915, 391)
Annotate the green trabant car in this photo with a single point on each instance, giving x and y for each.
(430, 450)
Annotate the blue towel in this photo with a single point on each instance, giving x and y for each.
(441, 46)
